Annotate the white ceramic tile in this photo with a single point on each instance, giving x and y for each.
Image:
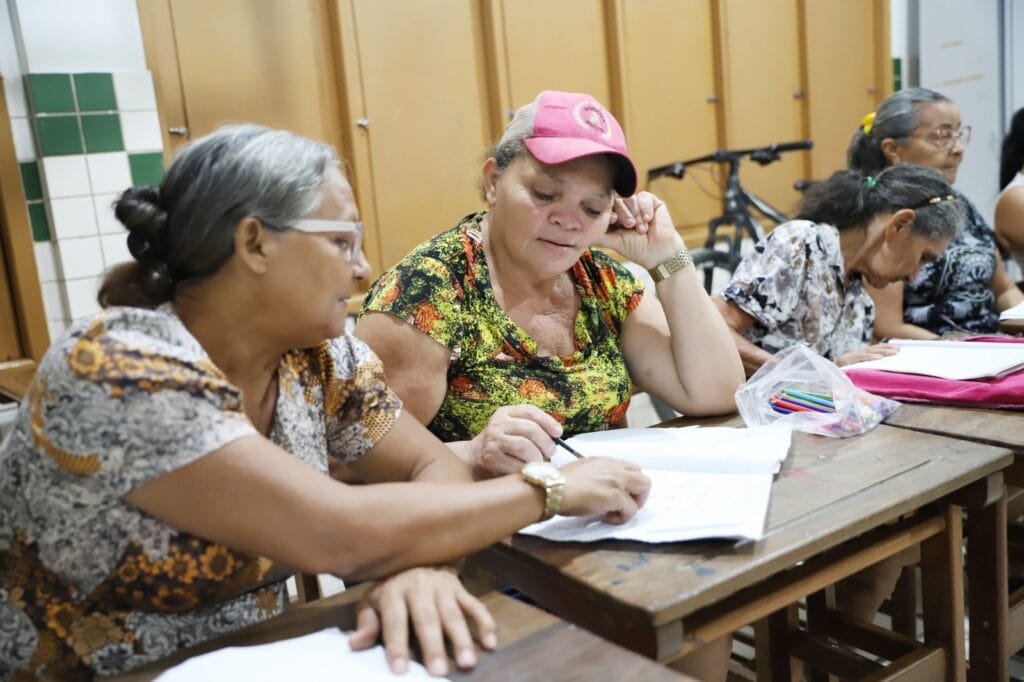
(105, 218)
(46, 261)
(141, 131)
(66, 176)
(14, 91)
(81, 295)
(53, 301)
(80, 257)
(24, 144)
(109, 172)
(57, 329)
(134, 90)
(73, 217)
(115, 248)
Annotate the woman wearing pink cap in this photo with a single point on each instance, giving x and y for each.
(510, 328)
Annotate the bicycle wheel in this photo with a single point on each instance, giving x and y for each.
(715, 267)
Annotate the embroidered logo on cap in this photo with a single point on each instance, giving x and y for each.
(590, 116)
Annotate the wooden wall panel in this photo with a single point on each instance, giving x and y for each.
(763, 90)
(669, 98)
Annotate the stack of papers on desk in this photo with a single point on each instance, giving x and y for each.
(706, 482)
(954, 360)
(323, 655)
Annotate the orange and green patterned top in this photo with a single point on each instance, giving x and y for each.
(443, 288)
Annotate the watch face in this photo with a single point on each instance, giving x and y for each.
(540, 471)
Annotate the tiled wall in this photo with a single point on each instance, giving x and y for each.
(87, 137)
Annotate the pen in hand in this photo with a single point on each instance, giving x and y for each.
(568, 447)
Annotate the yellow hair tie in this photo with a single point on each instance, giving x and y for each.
(867, 123)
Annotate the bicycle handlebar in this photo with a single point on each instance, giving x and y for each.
(761, 155)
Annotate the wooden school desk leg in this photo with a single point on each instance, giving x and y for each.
(771, 645)
(818, 605)
(942, 583)
(988, 596)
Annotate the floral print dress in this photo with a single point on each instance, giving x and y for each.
(92, 585)
(795, 287)
(443, 288)
(954, 292)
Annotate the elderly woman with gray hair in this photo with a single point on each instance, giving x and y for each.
(968, 286)
(168, 469)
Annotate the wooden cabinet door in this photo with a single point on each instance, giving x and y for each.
(261, 61)
(669, 99)
(842, 57)
(763, 101)
(417, 103)
(545, 45)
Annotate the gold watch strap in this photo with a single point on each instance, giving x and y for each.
(667, 268)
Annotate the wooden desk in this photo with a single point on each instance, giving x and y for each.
(837, 507)
(1014, 327)
(15, 377)
(533, 645)
(998, 616)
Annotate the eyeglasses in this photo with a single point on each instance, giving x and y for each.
(339, 227)
(946, 138)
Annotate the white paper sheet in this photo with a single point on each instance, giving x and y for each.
(1014, 313)
(681, 506)
(759, 449)
(322, 656)
(706, 482)
(956, 360)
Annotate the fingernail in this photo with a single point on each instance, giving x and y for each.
(490, 640)
(466, 658)
(399, 665)
(438, 666)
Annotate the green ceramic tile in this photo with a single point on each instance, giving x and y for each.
(102, 133)
(58, 135)
(40, 225)
(51, 93)
(147, 169)
(30, 180)
(95, 92)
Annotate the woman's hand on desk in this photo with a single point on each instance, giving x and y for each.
(438, 606)
(514, 435)
(875, 352)
(601, 485)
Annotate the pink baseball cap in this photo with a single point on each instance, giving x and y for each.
(570, 125)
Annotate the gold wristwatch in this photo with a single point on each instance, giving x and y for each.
(667, 268)
(549, 478)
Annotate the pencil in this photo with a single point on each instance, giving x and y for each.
(568, 447)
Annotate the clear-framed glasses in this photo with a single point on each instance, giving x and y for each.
(946, 137)
(344, 229)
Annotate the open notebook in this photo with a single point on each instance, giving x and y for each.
(323, 655)
(955, 360)
(706, 482)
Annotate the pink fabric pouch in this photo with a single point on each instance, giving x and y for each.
(1006, 392)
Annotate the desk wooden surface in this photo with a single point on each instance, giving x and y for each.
(15, 377)
(830, 491)
(532, 644)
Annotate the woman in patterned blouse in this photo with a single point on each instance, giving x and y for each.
(169, 463)
(967, 287)
(510, 328)
(803, 282)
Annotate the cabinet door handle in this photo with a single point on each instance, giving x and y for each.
(711, 99)
(363, 123)
(178, 130)
(798, 94)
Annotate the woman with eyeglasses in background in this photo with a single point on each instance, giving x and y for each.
(965, 289)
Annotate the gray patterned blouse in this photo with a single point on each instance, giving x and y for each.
(92, 585)
(794, 286)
